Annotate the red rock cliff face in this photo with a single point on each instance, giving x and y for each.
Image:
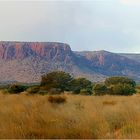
(48, 50)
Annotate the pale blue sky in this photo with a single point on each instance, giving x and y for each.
(112, 25)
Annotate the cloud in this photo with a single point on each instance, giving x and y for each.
(113, 25)
(130, 2)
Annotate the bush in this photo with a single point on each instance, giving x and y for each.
(79, 84)
(33, 90)
(15, 88)
(57, 79)
(138, 89)
(122, 89)
(119, 80)
(100, 89)
(57, 99)
(84, 92)
(55, 91)
(43, 92)
(120, 86)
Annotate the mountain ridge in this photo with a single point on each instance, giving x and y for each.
(27, 61)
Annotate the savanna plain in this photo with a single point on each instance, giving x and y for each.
(79, 116)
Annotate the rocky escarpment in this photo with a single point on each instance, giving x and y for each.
(110, 61)
(112, 64)
(135, 56)
(27, 61)
(45, 50)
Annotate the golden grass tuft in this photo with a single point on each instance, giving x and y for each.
(57, 99)
(109, 102)
(23, 116)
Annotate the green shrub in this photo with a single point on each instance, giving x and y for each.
(15, 88)
(43, 92)
(120, 86)
(100, 89)
(84, 92)
(122, 89)
(54, 91)
(77, 85)
(3, 87)
(119, 80)
(57, 99)
(138, 89)
(33, 90)
(57, 79)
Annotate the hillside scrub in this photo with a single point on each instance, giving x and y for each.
(16, 88)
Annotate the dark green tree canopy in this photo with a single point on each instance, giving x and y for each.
(100, 89)
(81, 83)
(57, 79)
(16, 88)
(122, 89)
(119, 80)
(120, 85)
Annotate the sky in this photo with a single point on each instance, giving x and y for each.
(112, 25)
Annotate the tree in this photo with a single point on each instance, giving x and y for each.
(56, 80)
(123, 89)
(16, 88)
(81, 84)
(118, 79)
(100, 89)
(120, 85)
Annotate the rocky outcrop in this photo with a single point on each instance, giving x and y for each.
(27, 61)
(46, 50)
(112, 64)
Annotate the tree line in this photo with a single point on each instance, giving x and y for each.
(57, 82)
(62, 81)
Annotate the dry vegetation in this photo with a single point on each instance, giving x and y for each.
(33, 116)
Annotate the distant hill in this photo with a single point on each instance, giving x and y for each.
(112, 64)
(135, 57)
(27, 61)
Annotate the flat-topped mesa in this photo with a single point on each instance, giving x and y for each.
(19, 50)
